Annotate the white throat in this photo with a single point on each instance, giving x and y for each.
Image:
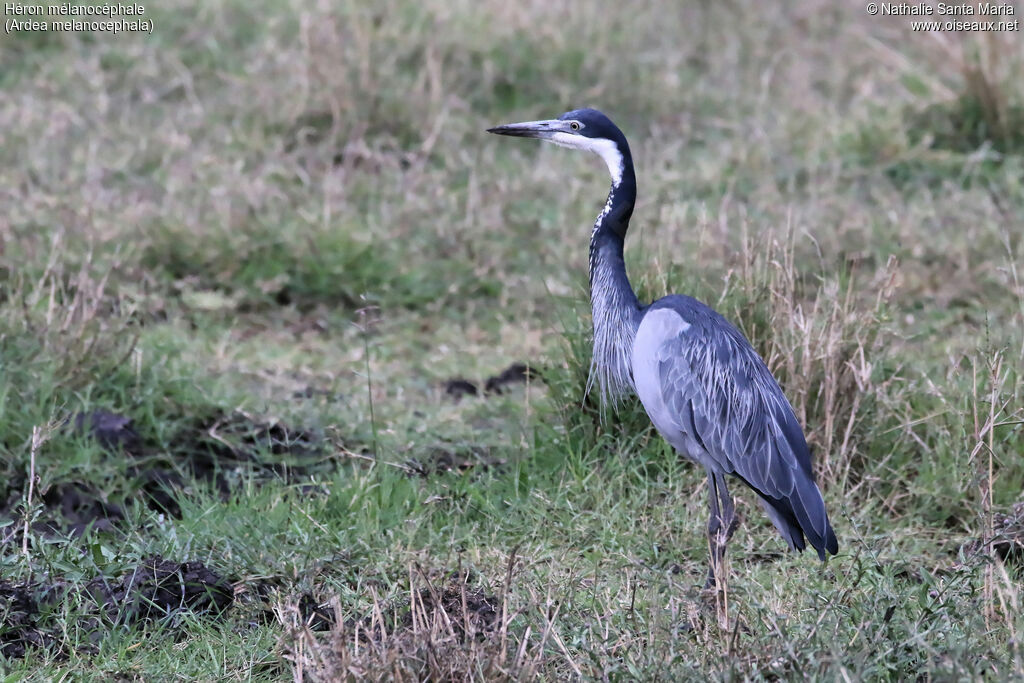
(602, 147)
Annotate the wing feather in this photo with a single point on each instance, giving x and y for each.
(724, 397)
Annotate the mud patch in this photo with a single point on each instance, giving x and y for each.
(80, 505)
(443, 631)
(68, 508)
(462, 460)
(317, 616)
(457, 387)
(156, 591)
(159, 589)
(470, 613)
(71, 507)
(226, 451)
(460, 608)
(1007, 540)
(111, 431)
(517, 373)
(452, 608)
(224, 441)
(19, 613)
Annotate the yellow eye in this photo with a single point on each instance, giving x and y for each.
(574, 125)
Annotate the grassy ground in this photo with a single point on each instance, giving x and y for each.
(270, 232)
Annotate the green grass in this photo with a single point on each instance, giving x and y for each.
(271, 219)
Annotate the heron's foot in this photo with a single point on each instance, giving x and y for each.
(717, 580)
(725, 534)
(708, 615)
(718, 541)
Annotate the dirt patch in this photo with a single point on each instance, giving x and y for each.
(227, 450)
(223, 450)
(468, 612)
(19, 612)
(1007, 540)
(156, 591)
(69, 508)
(111, 431)
(159, 589)
(224, 440)
(514, 374)
(462, 460)
(446, 630)
(517, 373)
(457, 387)
(80, 505)
(317, 616)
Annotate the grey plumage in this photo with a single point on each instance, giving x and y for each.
(616, 315)
(727, 412)
(704, 387)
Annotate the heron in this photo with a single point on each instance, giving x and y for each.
(702, 384)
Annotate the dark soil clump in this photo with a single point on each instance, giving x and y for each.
(158, 589)
(517, 373)
(471, 612)
(80, 505)
(227, 441)
(513, 374)
(442, 628)
(225, 451)
(318, 617)
(1007, 541)
(467, 613)
(457, 387)
(458, 459)
(69, 509)
(19, 611)
(111, 431)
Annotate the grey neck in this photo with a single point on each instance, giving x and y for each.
(616, 311)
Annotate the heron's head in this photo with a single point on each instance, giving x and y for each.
(586, 129)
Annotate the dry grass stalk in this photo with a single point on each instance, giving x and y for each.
(441, 631)
(820, 339)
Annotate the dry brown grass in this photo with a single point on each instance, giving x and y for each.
(442, 629)
(69, 313)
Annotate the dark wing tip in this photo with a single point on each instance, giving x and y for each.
(829, 543)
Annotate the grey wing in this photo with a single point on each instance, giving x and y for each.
(733, 416)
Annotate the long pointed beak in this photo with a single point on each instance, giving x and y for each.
(531, 129)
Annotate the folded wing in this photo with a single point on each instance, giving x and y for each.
(732, 415)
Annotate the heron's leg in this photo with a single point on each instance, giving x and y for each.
(729, 521)
(721, 524)
(714, 524)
